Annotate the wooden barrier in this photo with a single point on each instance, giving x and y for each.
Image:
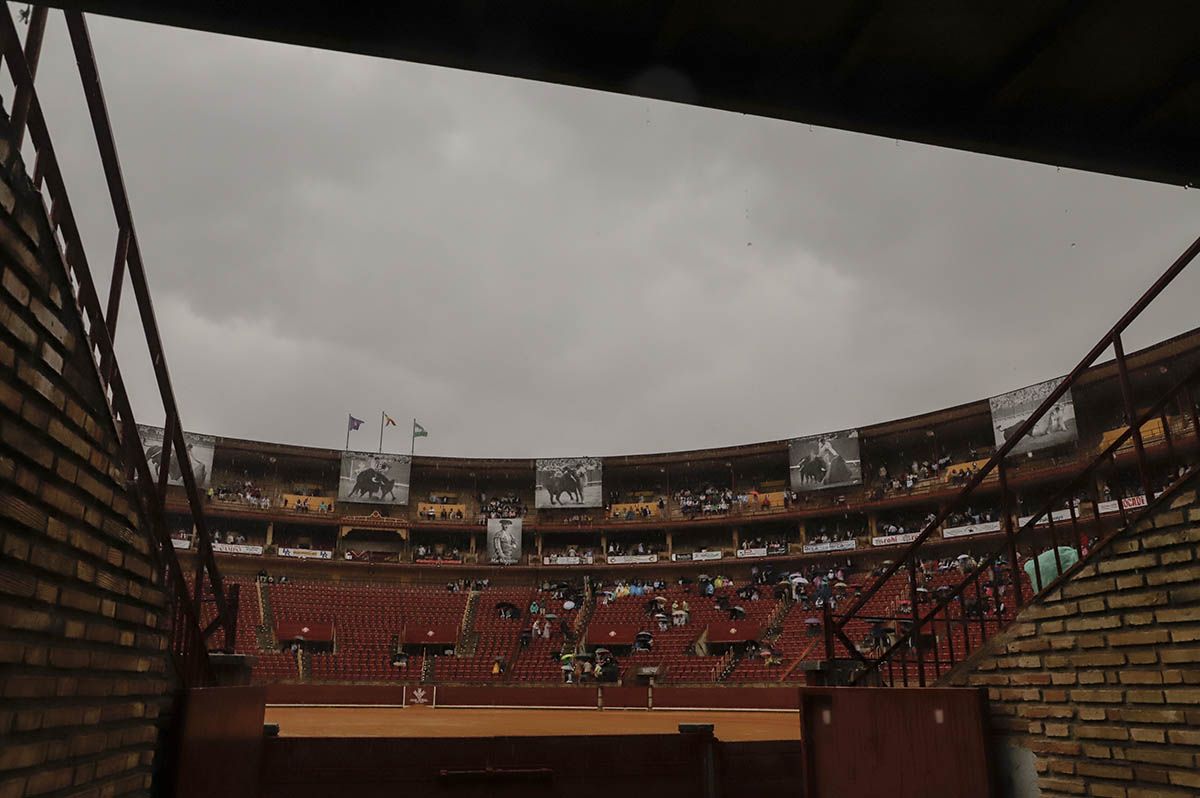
(905, 743)
(918, 742)
(504, 696)
(337, 694)
(625, 697)
(662, 765)
(759, 769)
(220, 742)
(577, 697)
(782, 698)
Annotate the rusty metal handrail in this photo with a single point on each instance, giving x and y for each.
(188, 640)
(835, 627)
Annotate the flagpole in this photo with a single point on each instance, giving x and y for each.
(381, 415)
(413, 451)
(348, 417)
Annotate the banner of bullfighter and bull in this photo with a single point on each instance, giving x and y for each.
(374, 478)
(825, 461)
(1011, 410)
(200, 450)
(569, 482)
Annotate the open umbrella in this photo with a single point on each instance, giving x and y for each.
(566, 658)
(603, 651)
(568, 605)
(922, 590)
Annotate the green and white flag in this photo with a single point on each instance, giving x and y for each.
(419, 431)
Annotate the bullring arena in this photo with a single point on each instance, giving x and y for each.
(994, 598)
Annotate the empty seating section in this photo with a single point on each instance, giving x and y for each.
(539, 661)
(269, 666)
(673, 649)
(366, 619)
(497, 636)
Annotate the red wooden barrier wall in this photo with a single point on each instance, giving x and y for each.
(220, 742)
(726, 698)
(625, 697)
(366, 694)
(905, 743)
(501, 696)
(665, 766)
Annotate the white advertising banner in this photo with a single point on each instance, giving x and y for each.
(563, 559)
(743, 553)
(833, 545)
(970, 530)
(632, 559)
(306, 554)
(182, 543)
(696, 556)
(237, 548)
(1057, 515)
(893, 540)
(1129, 503)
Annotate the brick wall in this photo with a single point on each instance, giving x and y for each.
(82, 662)
(1101, 679)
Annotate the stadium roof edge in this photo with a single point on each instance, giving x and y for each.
(1184, 342)
(1110, 86)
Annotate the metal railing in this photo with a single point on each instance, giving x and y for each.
(188, 636)
(937, 631)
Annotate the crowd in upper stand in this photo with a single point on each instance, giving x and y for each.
(970, 516)
(905, 523)
(423, 552)
(245, 493)
(620, 548)
(507, 506)
(836, 531)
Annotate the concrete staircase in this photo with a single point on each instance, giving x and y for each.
(468, 638)
(264, 632)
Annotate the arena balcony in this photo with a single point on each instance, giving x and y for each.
(692, 507)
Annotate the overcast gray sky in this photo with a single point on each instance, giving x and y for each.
(536, 270)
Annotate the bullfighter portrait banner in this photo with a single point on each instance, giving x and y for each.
(504, 541)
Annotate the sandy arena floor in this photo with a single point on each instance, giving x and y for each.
(427, 722)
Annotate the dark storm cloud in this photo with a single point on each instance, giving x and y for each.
(535, 270)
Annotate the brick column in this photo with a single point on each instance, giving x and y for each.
(83, 667)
